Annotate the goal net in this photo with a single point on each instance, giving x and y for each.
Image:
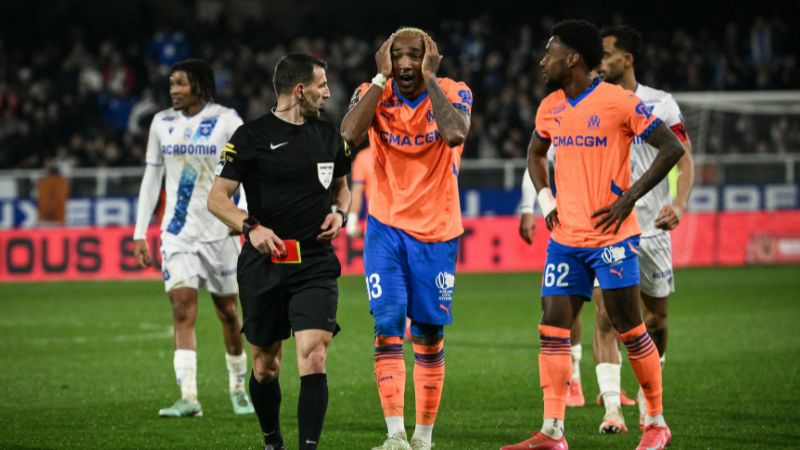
(744, 137)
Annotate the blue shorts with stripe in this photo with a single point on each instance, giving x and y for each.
(572, 270)
(407, 277)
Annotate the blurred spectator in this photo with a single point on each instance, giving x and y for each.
(97, 100)
(64, 162)
(166, 48)
(142, 112)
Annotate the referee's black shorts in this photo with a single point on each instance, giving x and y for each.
(278, 299)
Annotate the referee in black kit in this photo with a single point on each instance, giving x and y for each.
(293, 167)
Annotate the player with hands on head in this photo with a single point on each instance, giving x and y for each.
(416, 123)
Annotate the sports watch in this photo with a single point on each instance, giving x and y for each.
(248, 224)
(341, 213)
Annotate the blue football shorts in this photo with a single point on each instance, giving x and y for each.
(572, 270)
(407, 277)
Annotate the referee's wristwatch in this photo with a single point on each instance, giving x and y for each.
(341, 213)
(248, 225)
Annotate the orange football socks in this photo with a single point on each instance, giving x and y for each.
(646, 364)
(555, 369)
(428, 380)
(390, 373)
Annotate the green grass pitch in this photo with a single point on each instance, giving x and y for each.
(88, 365)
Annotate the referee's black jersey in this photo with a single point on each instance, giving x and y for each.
(287, 172)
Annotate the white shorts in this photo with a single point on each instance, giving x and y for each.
(200, 264)
(655, 265)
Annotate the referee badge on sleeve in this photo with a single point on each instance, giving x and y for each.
(228, 155)
(325, 173)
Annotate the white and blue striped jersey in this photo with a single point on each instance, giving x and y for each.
(663, 105)
(189, 149)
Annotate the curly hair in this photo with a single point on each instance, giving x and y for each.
(583, 37)
(201, 77)
(628, 39)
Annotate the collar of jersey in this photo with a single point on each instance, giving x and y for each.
(272, 110)
(574, 102)
(199, 113)
(411, 103)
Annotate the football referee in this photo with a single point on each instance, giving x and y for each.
(293, 167)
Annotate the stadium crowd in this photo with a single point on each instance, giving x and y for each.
(81, 102)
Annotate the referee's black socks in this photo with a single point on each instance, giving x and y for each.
(311, 407)
(266, 399)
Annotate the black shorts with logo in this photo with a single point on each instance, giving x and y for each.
(278, 299)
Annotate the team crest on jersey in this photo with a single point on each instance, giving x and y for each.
(206, 127)
(445, 282)
(594, 121)
(613, 254)
(325, 174)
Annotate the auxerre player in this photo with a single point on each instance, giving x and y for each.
(196, 248)
(657, 214)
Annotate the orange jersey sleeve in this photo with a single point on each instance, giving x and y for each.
(416, 173)
(548, 115)
(363, 169)
(592, 135)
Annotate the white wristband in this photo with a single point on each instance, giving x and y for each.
(352, 224)
(528, 194)
(380, 80)
(546, 201)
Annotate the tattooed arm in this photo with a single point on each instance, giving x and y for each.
(452, 123)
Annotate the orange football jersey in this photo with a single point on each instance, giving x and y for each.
(592, 137)
(363, 168)
(415, 172)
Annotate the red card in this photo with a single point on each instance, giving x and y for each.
(292, 253)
